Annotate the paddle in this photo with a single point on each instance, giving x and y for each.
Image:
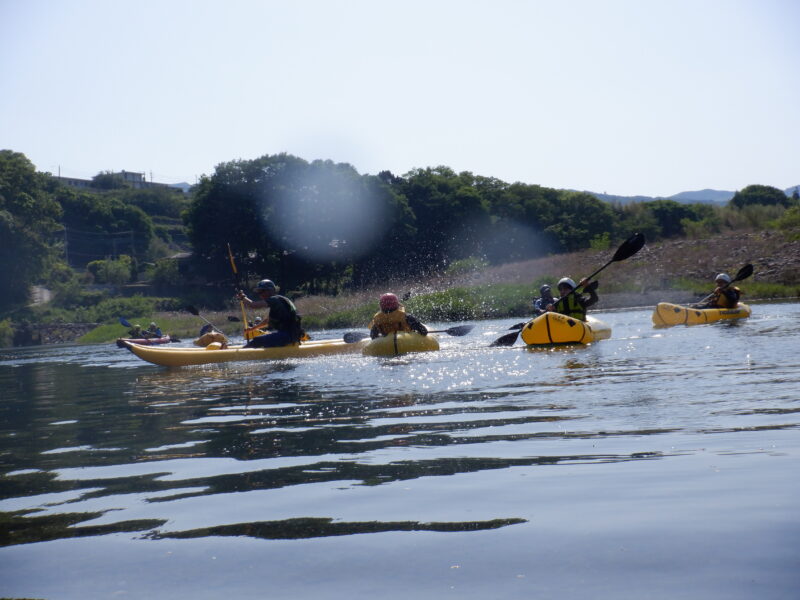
(124, 322)
(743, 273)
(196, 313)
(356, 336)
(627, 249)
(238, 285)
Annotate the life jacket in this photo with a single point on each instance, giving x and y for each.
(720, 300)
(571, 307)
(390, 322)
(287, 320)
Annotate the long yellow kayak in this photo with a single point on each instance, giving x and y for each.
(668, 315)
(400, 343)
(554, 329)
(181, 357)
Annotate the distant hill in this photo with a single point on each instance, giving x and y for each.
(182, 186)
(706, 196)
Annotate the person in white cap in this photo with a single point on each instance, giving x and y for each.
(574, 304)
(725, 295)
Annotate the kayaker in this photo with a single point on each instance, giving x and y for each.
(393, 317)
(724, 295)
(136, 332)
(152, 331)
(283, 320)
(573, 305)
(540, 304)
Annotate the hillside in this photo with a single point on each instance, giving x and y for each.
(643, 280)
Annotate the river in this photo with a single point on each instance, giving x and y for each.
(658, 464)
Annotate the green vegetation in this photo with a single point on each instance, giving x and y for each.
(317, 228)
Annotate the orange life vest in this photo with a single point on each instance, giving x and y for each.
(390, 322)
(720, 300)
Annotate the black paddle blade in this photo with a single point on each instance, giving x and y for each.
(629, 247)
(744, 273)
(516, 327)
(505, 340)
(233, 319)
(459, 330)
(351, 337)
(192, 310)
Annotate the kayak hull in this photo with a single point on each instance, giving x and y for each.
(182, 357)
(669, 315)
(144, 341)
(400, 343)
(554, 329)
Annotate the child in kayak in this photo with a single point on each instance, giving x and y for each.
(393, 317)
(724, 295)
(574, 304)
(540, 304)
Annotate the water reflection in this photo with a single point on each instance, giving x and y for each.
(470, 440)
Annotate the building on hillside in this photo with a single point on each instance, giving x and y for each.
(131, 179)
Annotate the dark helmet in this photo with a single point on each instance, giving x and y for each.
(545, 289)
(266, 284)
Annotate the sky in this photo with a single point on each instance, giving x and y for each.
(625, 97)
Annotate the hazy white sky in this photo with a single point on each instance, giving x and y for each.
(620, 96)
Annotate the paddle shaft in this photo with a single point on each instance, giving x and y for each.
(743, 273)
(238, 286)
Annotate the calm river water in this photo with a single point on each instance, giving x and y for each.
(657, 464)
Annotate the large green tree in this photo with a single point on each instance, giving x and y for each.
(295, 221)
(759, 194)
(28, 221)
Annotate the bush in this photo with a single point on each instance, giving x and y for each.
(6, 334)
(467, 265)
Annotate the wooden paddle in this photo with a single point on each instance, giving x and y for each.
(627, 249)
(356, 336)
(743, 273)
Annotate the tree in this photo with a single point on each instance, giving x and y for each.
(759, 194)
(28, 221)
(107, 180)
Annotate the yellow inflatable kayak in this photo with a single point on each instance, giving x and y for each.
(400, 343)
(553, 329)
(668, 315)
(181, 357)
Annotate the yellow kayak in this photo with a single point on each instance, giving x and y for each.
(668, 315)
(554, 329)
(400, 343)
(181, 357)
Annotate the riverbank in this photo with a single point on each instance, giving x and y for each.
(677, 271)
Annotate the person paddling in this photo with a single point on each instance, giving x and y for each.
(284, 321)
(724, 295)
(393, 317)
(572, 302)
(546, 299)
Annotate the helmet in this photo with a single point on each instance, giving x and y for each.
(153, 325)
(389, 302)
(544, 289)
(567, 281)
(266, 284)
(724, 277)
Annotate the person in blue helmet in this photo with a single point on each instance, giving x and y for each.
(284, 323)
(546, 299)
